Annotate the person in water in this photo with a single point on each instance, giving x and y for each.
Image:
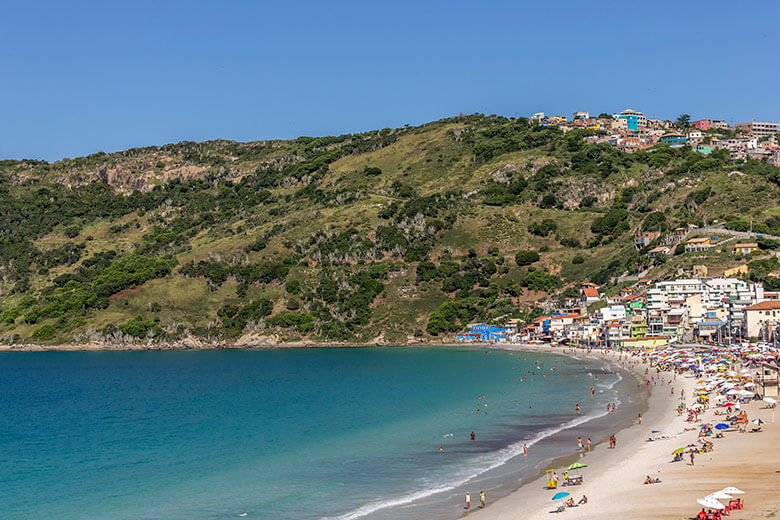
(473, 437)
(482, 499)
(468, 500)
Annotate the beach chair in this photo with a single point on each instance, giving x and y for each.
(560, 509)
(735, 503)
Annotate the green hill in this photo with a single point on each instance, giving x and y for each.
(389, 235)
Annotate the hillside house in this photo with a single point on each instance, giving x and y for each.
(589, 295)
(644, 239)
(745, 249)
(698, 244)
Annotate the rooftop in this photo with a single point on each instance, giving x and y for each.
(764, 306)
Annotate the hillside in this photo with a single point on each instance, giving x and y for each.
(394, 235)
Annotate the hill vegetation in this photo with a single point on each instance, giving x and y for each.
(391, 235)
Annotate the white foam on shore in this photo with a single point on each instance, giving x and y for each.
(490, 462)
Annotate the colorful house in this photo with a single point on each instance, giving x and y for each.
(634, 120)
(698, 244)
(674, 139)
(483, 332)
(745, 249)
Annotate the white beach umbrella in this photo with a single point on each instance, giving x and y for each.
(758, 421)
(746, 393)
(710, 503)
(770, 400)
(749, 383)
(732, 490)
(732, 392)
(720, 495)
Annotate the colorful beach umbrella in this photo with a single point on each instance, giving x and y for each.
(722, 426)
(679, 450)
(562, 494)
(577, 465)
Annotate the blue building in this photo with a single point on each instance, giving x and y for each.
(483, 332)
(674, 139)
(634, 119)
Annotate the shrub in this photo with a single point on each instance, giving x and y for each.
(44, 332)
(543, 228)
(523, 258)
(578, 259)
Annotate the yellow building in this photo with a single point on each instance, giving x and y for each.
(700, 271)
(740, 269)
(745, 249)
(698, 244)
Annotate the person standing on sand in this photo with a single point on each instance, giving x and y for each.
(589, 444)
(468, 500)
(482, 499)
(640, 418)
(692, 457)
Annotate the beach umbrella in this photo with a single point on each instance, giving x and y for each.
(728, 404)
(577, 465)
(758, 421)
(770, 400)
(732, 490)
(721, 426)
(562, 494)
(679, 450)
(720, 495)
(710, 503)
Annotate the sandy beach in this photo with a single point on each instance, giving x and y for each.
(613, 480)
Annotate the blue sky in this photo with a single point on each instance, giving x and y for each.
(81, 77)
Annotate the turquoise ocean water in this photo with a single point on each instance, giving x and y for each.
(281, 434)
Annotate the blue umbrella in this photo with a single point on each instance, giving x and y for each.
(721, 426)
(655, 431)
(562, 494)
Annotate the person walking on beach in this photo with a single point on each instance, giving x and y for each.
(640, 418)
(482, 499)
(468, 500)
(590, 446)
(579, 443)
(692, 457)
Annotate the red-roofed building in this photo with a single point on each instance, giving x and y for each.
(589, 295)
(761, 319)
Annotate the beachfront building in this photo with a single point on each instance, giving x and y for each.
(762, 319)
(483, 332)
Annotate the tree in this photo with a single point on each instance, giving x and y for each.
(683, 121)
(523, 258)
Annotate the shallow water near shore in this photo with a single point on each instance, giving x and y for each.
(305, 433)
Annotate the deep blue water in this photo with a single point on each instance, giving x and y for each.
(282, 434)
